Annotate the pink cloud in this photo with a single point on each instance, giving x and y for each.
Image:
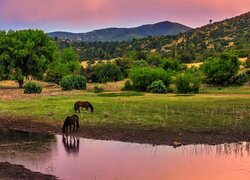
(77, 14)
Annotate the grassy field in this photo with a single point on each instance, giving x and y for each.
(217, 111)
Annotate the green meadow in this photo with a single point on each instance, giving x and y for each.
(217, 111)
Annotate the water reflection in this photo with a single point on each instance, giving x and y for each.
(69, 157)
(71, 144)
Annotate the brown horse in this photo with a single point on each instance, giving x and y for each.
(83, 104)
(71, 120)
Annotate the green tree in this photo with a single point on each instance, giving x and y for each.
(107, 72)
(221, 70)
(142, 78)
(65, 63)
(23, 53)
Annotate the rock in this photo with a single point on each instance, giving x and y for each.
(176, 144)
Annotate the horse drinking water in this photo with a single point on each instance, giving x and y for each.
(83, 104)
(70, 120)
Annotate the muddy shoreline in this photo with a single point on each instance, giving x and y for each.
(18, 172)
(157, 136)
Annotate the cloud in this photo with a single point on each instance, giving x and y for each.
(87, 14)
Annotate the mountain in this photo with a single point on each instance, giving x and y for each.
(124, 34)
(195, 45)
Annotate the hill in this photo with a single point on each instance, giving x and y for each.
(192, 46)
(124, 34)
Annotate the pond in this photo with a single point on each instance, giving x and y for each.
(78, 158)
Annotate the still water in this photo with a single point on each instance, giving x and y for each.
(78, 158)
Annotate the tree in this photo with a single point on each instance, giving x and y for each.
(221, 70)
(23, 53)
(107, 72)
(65, 63)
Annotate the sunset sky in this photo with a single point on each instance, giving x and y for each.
(86, 15)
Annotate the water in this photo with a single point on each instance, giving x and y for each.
(78, 158)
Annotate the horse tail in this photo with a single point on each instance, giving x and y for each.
(91, 107)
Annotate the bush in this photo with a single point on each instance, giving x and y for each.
(221, 70)
(79, 82)
(143, 77)
(98, 89)
(241, 79)
(67, 83)
(32, 88)
(107, 72)
(188, 82)
(53, 76)
(157, 87)
(127, 86)
(248, 62)
(73, 82)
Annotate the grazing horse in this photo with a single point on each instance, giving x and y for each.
(70, 120)
(84, 104)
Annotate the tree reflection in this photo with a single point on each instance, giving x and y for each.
(239, 149)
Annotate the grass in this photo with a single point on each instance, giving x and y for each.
(217, 113)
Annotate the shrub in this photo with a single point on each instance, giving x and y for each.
(127, 86)
(107, 72)
(188, 82)
(143, 77)
(32, 88)
(98, 89)
(248, 62)
(53, 76)
(169, 64)
(157, 87)
(73, 82)
(67, 83)
(241, 79)
(79, 82)
(221, 70)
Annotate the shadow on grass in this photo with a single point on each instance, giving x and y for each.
(121, 94)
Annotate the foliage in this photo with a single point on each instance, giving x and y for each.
(154, 59)
(221, 70)
(248, 62)
(107, 72)
(240, 79)
(70, 82)
(23, 53)
(124, 64)
(192, 46)
(32, 88)
(67, 83)
(168, 65)
(80, 82)
(53, 76)
(127, 86)
(65, 63)
(98, 89)
(157, 87)
(188, 82)
(143, 77)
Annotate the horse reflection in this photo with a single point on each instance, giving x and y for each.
(71, 144)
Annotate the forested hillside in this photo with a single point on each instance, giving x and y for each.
(195, 45)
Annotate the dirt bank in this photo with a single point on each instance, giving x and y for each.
(157, 136)
(18, 172)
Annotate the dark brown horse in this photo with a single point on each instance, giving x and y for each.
(83, 104)
(69, 121)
